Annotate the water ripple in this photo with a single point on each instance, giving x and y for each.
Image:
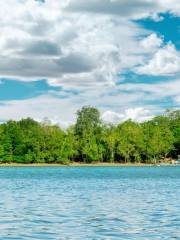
(90, 203)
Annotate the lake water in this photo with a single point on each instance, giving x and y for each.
(90, 203)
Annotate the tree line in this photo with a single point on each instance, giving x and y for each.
(91, 140)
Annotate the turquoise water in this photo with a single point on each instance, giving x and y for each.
(90, 203)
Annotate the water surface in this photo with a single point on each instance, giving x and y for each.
(89, 203)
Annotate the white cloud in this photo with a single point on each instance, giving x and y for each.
(157, 91)
(62, 41)
(55, 109)
(46, 106)
(124, 102)
(172, 6)
(136, 114)
(131, 9)
(166, 61)
(152, 42)
(177, 99)
(112, 117)
(45, 40)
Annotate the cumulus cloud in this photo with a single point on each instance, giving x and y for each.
(83, 45)
(157, 91)
(151, 42)
(75, 63)
(128, 9)
(166, 61)
(41, 48)
(136, 114)
(45, 106)
(131, 9)
(43, 39)
(61, 108)
(55, 109)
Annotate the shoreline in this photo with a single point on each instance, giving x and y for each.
(84, 165)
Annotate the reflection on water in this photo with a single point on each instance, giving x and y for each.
(89, 203)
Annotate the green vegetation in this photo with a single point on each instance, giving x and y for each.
(90, 140)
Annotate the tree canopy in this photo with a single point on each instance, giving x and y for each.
(90, 140)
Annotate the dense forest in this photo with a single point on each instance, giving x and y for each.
(90, 140)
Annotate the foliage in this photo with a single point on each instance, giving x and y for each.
(90, 140)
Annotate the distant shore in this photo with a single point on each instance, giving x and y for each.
(99, 164)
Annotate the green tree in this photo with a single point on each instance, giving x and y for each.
(110, 138)
(158, 139)
(87, 128)
(130, 141)
(174, 118)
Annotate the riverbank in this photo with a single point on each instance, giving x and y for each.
(75, 164)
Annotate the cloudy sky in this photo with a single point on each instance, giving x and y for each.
(121, 56)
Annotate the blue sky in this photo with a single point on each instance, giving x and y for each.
(168, 27)
(18, 90)
(120, 56)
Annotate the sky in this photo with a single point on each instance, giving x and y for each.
(121, 56)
